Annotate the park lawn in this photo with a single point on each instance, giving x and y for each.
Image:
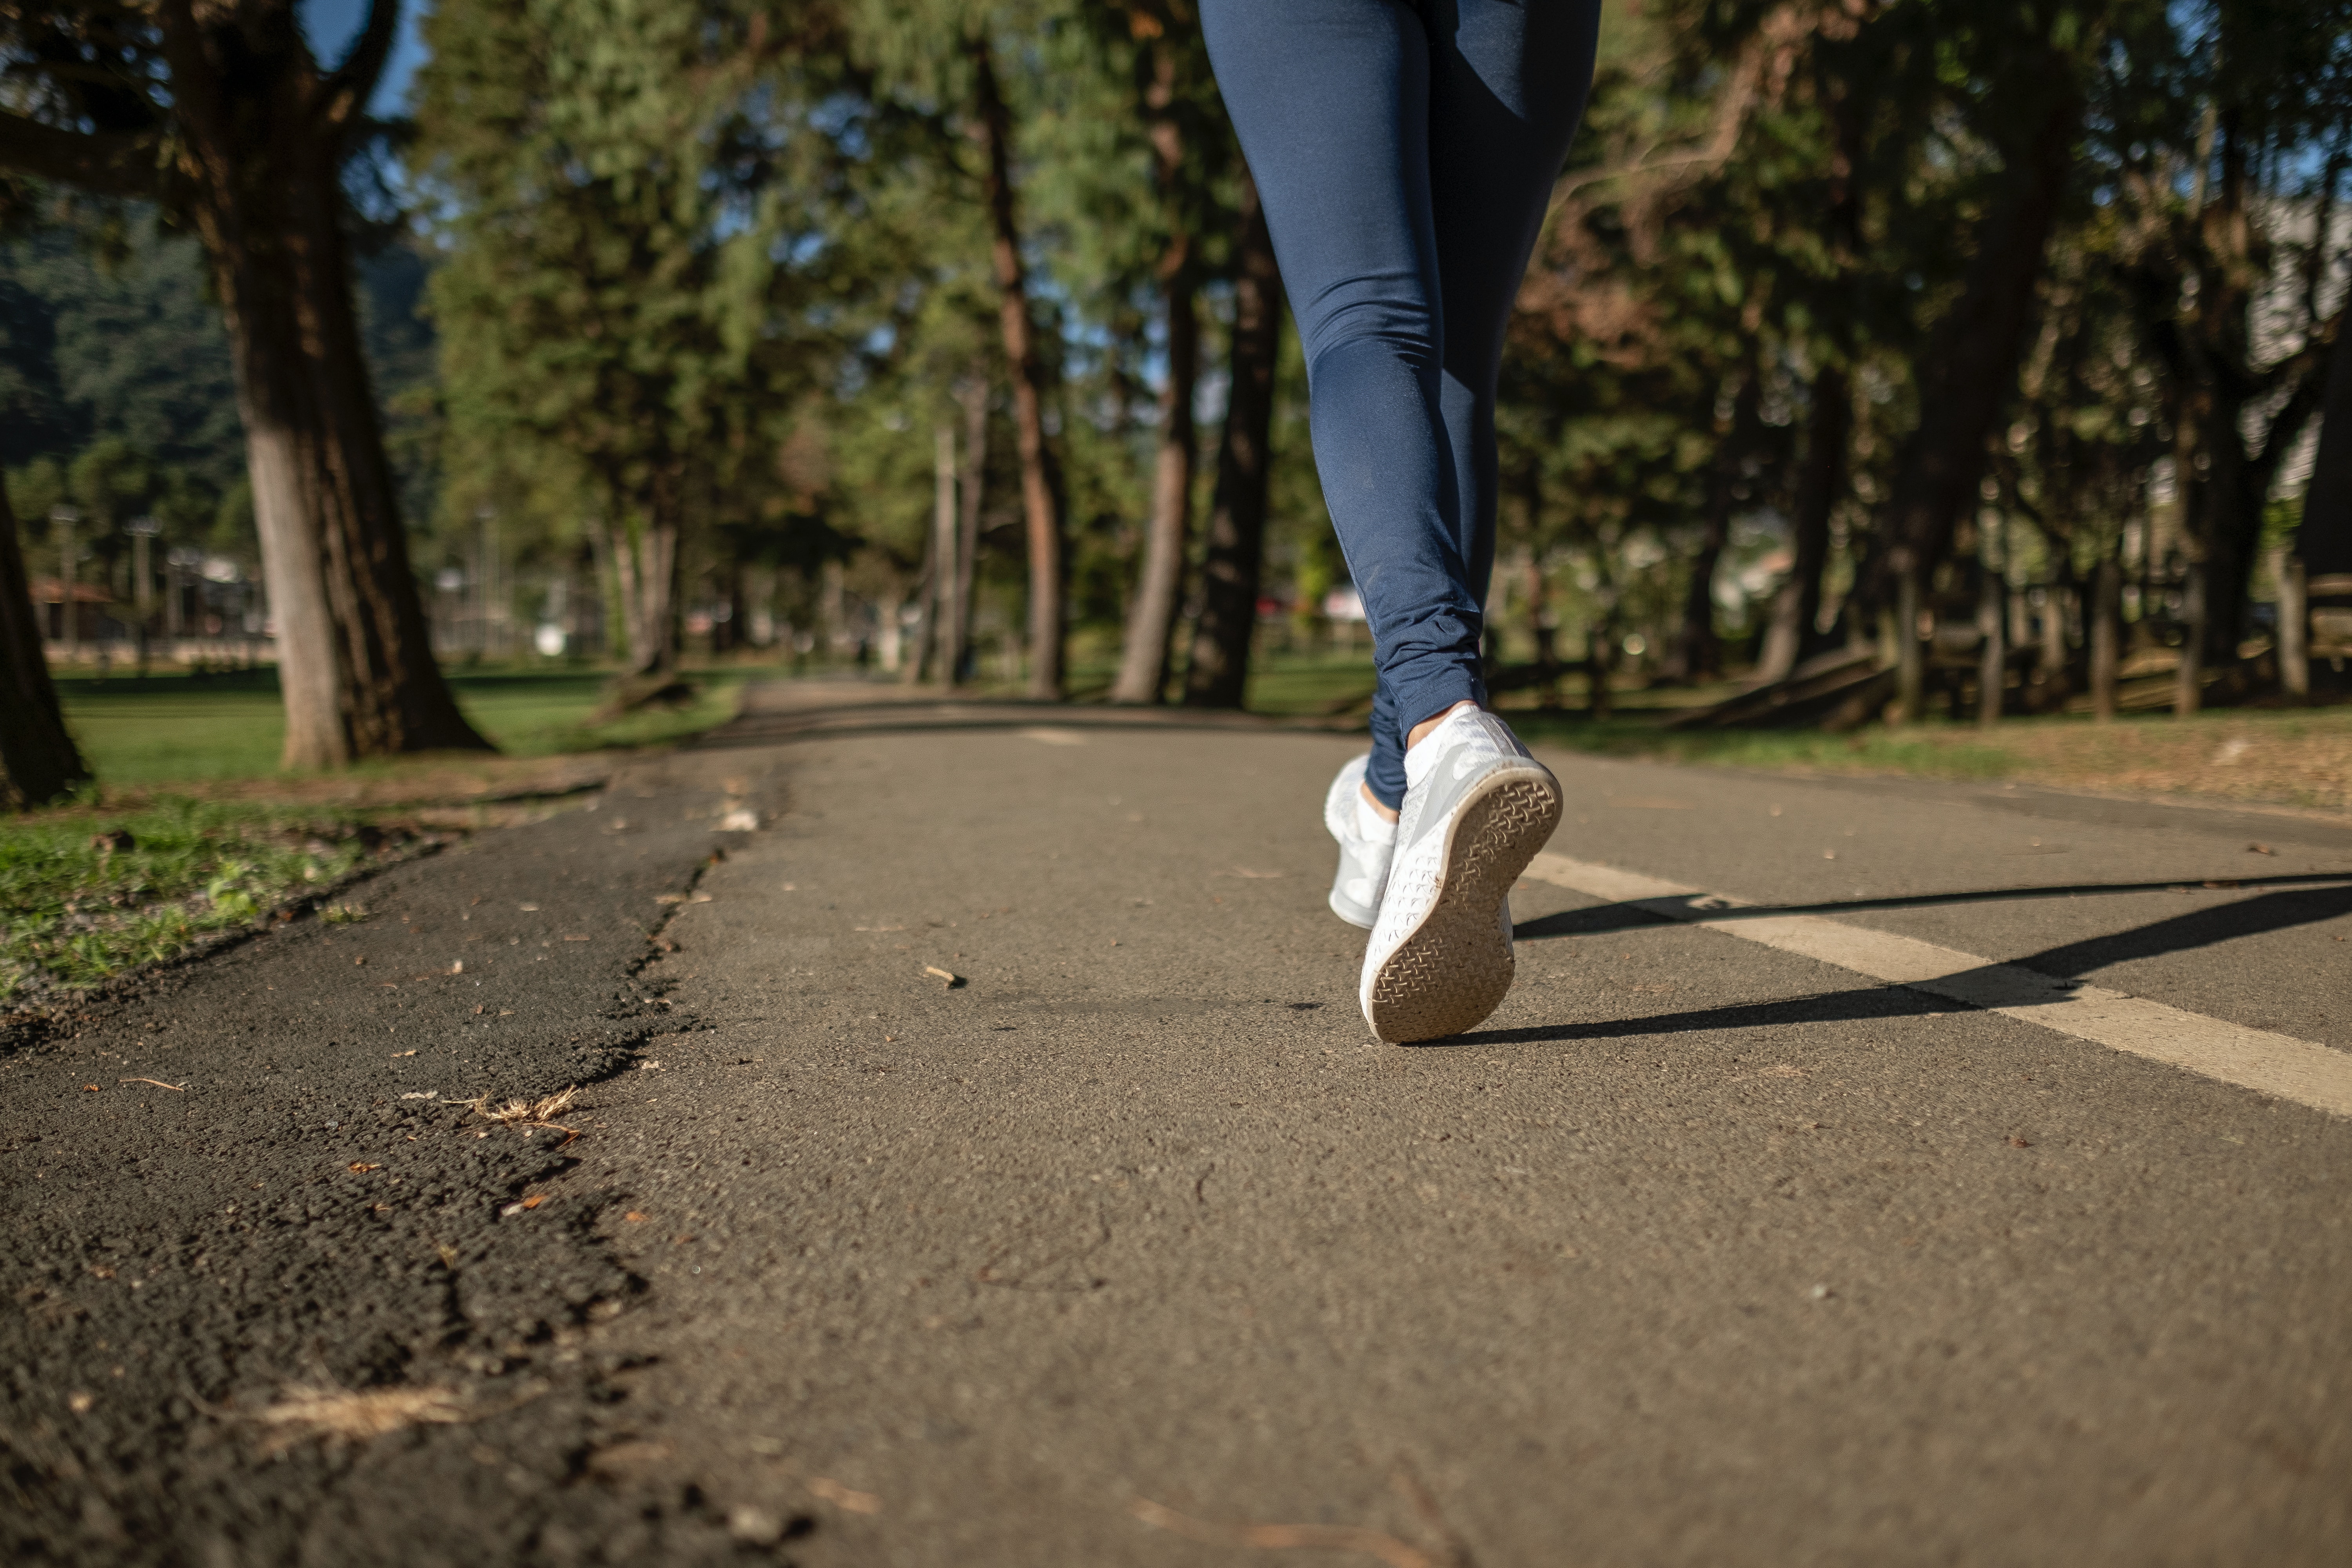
(220, 839)
(180, 729)
(2251, 756)
(84, 895)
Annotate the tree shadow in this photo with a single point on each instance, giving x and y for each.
(2036, 979)
(1604, 918)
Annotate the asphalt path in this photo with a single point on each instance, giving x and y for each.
(985, 1162)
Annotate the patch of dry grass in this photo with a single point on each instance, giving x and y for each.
(540, 1112)
(2282, 758)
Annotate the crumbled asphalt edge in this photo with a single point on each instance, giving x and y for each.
(219, 1268)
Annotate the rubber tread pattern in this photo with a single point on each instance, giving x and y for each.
(1456, 966)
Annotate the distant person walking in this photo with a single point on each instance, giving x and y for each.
(1405, 154)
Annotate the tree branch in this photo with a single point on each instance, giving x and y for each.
(114, 163)
(344, 93)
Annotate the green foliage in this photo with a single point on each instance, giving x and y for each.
(78, 907)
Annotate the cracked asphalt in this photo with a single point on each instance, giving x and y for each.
(984, 1163)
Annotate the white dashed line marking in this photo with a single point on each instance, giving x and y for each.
(2278, 1065)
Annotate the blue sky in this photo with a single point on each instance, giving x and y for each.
(332, 25)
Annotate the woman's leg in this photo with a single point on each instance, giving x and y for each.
(1508, 85)
(1331, 100)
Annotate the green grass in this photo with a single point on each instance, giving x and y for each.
(1927, 750)
(177, 728)
(73, 912)
(79, 904)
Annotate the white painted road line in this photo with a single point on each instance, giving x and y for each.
(2278, 1065)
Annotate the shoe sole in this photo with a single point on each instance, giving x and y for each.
(1455, 968)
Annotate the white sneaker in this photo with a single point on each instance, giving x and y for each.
(1477, 807)
(1363, 860)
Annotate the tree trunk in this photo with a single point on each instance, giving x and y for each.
(936, 651)
(970, 487)
(38, 759)
(1218, 675)
(644, 565)
(1971, 361)
(2105, 635)
(1798, 605)
(1541, 621)
(1698, 651)
(2189, 679)
(1151, 618)
(355, 659)
(2323, 538)
(1992, 653)
(1041, 497)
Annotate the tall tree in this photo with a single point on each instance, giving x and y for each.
(1033, 367)
(1971, 364)
(1172, 52)
(221, 117)
(620, 301)
(1218, 673)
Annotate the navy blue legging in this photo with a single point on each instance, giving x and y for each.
(1405, 155)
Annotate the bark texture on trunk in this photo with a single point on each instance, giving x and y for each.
(262, 168)
(38, 759)
(1972, 355)
(1218, 672)
(1158, 588)
(1041, 491)
(1797, 607)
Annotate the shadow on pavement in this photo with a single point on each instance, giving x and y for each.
(1643, 912)
(1993, 985)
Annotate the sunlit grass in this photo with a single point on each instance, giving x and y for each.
(86, 894)
(178, 728)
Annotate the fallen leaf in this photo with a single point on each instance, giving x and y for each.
(634, 1218)
(396, 1054)
(2016, 1142)
(91, 1088)
(533, 1201)
(361, 1166)
(2260, 849)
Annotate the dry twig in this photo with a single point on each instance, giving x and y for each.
(335, 1413)
(159, 1083)
(1371, 1543)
